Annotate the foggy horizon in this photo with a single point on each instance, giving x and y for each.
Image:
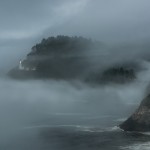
(71, 114)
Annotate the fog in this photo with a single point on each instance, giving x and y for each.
(25, 106)
(30, 106)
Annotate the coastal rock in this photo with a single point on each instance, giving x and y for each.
(140, 119)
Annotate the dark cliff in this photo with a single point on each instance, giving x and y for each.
(140, 120)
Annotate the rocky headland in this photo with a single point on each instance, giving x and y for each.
(67, 58)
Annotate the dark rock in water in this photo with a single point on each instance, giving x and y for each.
(140, 120)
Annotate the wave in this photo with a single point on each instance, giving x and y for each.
(68, 114)
(81, 128)
(145, 133)
(93, 129)
(139, 146)
(121, 119)
(98, 117)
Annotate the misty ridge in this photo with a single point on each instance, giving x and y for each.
(78, 58)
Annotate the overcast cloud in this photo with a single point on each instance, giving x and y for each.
(24, 23)
(104, 19)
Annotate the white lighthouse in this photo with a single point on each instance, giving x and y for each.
(21, 66)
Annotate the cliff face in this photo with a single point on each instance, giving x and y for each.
(140, 120)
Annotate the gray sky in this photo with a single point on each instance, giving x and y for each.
(103, 19)
(25, 22)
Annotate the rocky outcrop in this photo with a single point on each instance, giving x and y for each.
(140, 120)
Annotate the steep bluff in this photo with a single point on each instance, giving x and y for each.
(140, 119)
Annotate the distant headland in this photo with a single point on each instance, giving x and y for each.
(65, 58)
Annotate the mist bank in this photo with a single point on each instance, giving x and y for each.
(40, 97)
(28, 105)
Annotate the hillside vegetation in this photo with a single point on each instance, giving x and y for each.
(64, 57)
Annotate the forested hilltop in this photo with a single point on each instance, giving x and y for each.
(65, 57)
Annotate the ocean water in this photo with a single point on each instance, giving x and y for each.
(82, 136)
(50, 115)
